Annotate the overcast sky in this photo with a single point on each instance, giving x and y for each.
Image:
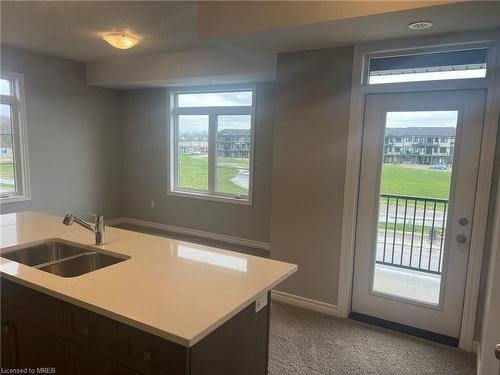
(196, 124)
(422, 119)
(216, 99)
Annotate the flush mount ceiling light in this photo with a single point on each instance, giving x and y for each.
(120, 40)
(420, 25)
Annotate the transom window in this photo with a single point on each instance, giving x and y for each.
(212, 144)
(431, 66)
(14, 185)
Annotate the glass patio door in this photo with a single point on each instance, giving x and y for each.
(418, 178)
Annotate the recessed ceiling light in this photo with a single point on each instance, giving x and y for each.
(420, 25)
(120, 40)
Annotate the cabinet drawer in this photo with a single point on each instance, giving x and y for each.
(150, 354)
(32, 306)
(80, 361)
(126, 371)
(91, 330)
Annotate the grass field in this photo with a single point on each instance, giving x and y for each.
(6, 169)
(395, 179)
(193, 173)
(415, 182)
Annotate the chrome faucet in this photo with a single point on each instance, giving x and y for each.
(97, 227)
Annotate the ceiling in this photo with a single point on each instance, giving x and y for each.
(73, 29)
(170, 37)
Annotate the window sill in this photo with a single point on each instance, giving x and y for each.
(213, 198)
(14, 199)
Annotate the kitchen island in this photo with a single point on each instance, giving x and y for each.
(169, 307)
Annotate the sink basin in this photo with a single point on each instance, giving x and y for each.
(44, 253)
(82, 264)
(62, 259)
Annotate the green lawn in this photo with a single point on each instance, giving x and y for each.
(396, 179)
(7, 169)
(415, 182)
(193, 173)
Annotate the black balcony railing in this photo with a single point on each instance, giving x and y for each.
(411, 232)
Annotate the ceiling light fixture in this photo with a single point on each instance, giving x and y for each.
(420, 25)
(120, 40)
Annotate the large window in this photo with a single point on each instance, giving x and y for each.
(14, 184)
(212, 144)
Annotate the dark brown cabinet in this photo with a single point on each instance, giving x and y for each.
(8, 354)
(41, 331)
(80, 361)
(150, 354)
(30, 346)
(92, 331)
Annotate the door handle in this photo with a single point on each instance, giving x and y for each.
(461, 238)
(497, 351)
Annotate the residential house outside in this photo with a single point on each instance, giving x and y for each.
(233, 143)
(193, 144)
(419, 145)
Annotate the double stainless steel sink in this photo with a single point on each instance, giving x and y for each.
(62, 259)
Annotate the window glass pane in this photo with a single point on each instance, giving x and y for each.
(192, 148)
(5, 87)
(233, 154)
(428, 67)
(215, 99)
(7, 168)
(413, 209)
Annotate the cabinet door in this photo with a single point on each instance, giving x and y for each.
(35, 347)
(91, 331)
(150, 354)
(8, 349)
(80, 361)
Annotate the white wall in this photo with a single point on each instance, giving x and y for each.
(74, 137)
(310, 150)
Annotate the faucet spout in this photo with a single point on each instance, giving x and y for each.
(97, 228)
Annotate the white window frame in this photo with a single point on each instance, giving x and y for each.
(20, 139)
(212, 113)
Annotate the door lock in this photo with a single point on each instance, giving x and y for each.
(463, 221)
(461, 238)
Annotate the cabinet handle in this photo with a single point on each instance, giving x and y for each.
(6, 327)
(147, 356)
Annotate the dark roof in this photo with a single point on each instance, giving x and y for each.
(234, 132)
(437, 131)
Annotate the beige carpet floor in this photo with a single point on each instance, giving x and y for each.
(308, 343)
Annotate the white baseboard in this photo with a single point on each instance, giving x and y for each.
(192, 232)
(306, 303)
(475, 347)
(118, 220)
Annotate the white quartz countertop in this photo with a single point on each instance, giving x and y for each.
(173, 289)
